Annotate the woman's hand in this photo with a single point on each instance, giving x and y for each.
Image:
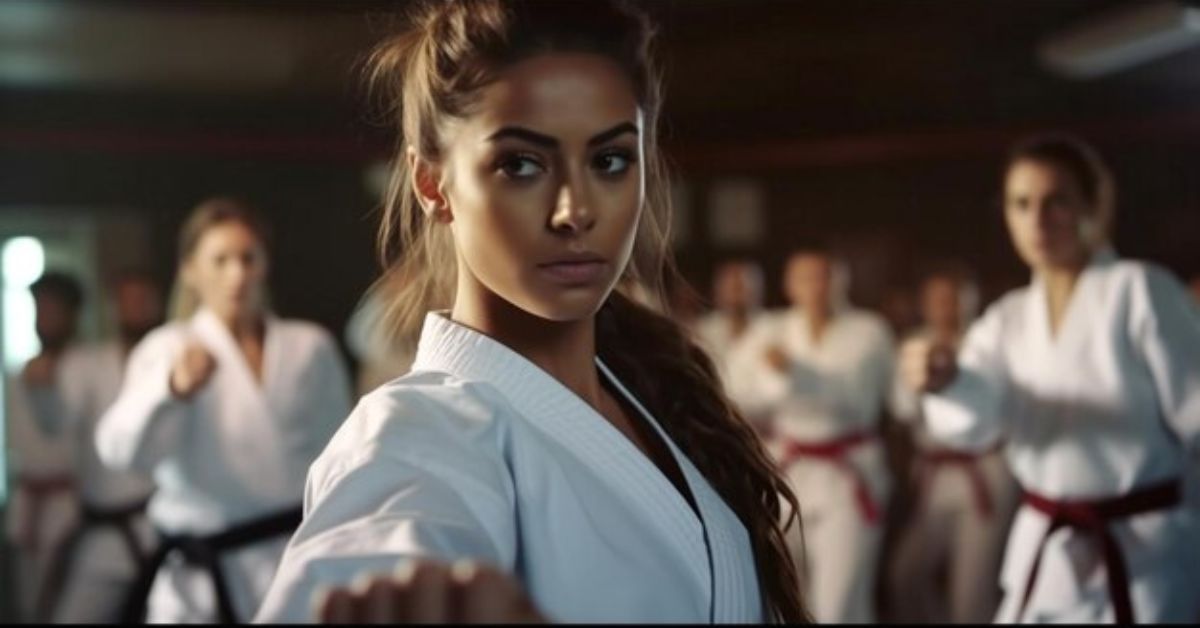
(192, 369)
(431, 592)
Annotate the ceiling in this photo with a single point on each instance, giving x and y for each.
(738, 70)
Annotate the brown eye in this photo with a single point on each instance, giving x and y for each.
(520, 166)
(613, 162)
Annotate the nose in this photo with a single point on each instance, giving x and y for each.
(573, 212)
(238, 272)
(1042, 215)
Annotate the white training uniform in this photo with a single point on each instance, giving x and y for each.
(714, 332)
(101, 567)
(961, 510)
(236, 451)
(478, 453)
(833, 392)
(1107, 406)
(40, 449)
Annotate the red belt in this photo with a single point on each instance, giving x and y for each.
(837, 451)
(39, 490)
(929, 462)
(1092, 517)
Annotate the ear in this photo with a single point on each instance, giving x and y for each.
(426, 183)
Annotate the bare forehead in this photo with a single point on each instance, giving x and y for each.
(227, 233)
(1040, 174)
(810, 260)
(565, 95)
(941, 282)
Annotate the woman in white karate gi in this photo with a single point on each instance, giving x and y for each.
(91, 574)
(962, 501)
(820, 373)
(1091, 374)
(227, 406)
(558, 450)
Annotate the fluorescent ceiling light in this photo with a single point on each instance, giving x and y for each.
(1122, 39)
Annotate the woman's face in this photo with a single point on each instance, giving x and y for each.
(543, 183)
(1047, 214)
(228, 270)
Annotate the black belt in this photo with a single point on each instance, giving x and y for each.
(204, 551)
(91, 518)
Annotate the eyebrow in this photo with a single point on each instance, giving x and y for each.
(533, 137)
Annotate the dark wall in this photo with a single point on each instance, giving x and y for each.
(319, 210)
(892, 217)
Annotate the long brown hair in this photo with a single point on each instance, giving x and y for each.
(432, 72)
(207, 214)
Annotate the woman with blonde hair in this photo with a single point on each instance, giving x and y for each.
(559, 450)
(226, 406)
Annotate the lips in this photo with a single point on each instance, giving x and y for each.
(575, 270)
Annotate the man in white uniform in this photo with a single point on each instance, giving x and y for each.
(44, 503)
(737, 301)
(962, 501)
(94, 571)
(821, 371)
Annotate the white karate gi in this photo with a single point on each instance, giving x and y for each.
(1108, 405)
(101, 566)
(236, 451)
(477, 453)
(963, 505)
(835, 388)
(714, 332)
(40, 449)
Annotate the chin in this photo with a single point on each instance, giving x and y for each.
(567, 307)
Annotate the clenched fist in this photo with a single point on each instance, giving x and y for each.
(777, 358)
(191, 370)
(927, 366)
(430, 592)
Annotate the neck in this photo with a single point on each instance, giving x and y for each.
(53, 352)
(817, 319)
(248, 325)
(1060, 281)
(739, 319)
(565, 350)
